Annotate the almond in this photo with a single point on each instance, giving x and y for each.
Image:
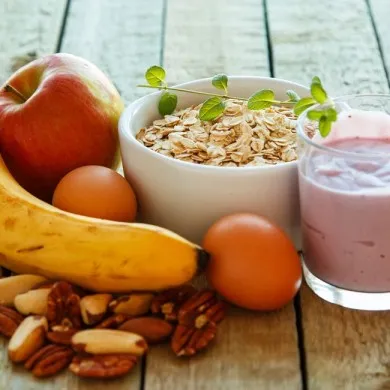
(14, 285)
(135, 304)
(32, 302)
(94, 307)
(108, 341)
(28, 338)
(153, 330)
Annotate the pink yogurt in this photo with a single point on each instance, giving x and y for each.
(345, 203)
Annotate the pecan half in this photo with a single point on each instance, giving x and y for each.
(202, 308)
(63, 306)
(113, 322)
(169, 301)
(49, 360)
(61, 337)
(9, 321)
(187, 341)
(102, 366)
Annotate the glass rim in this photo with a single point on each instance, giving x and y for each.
(301, 133)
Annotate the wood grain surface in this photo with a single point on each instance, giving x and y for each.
(336, 40)
(204, 38)
(123, 38)
(331, 39)
(345, 349)
(252, 351)
(380, 11)
(27, 29)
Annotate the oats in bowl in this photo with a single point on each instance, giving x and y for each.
(239, 137)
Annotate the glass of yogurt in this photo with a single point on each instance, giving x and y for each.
(344, 187)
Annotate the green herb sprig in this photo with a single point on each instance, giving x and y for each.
(215, 105)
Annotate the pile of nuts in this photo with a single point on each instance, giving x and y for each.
(53, 325)
(237, 138)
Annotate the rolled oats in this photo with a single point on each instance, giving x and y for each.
(239, 137)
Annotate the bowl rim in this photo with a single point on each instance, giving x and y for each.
(126, 118)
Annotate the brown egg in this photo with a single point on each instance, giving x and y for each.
(98, 192)
(253, 263)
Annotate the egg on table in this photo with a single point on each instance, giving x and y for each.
(96, 191)
(253, 263)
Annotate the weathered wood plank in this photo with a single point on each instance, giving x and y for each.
(252, 351)
(122, 38)
(27, 27)
(380, 12)
(345, 349)
(331, 39)
(204, 38)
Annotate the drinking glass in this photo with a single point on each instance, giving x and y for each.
(344, 187)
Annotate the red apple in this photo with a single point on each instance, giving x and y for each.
(57, 113)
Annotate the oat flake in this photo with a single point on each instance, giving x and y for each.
(240, 137)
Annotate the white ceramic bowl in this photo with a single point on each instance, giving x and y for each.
(187, 198)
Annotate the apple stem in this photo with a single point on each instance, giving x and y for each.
(10, 88)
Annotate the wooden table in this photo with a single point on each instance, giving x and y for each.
(310, 344)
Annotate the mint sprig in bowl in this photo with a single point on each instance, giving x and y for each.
(261, 99)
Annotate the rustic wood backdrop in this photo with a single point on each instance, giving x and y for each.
(309, 344)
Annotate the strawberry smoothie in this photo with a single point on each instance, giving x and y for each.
(345, 203)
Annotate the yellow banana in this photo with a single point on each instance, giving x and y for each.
(99, 255)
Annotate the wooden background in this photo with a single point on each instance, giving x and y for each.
(310, 344)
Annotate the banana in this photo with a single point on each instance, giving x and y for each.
(99, 255)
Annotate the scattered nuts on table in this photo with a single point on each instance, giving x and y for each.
(55, 325)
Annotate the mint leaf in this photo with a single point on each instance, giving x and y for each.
(331, 114)
(292, 95)
(316, 79)
(167, 103)
(211, 109)
(324, 126)
(261, 99)
(303, 104)
(318, 93)
(315, 115)
(220, 81)
(155, 76)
